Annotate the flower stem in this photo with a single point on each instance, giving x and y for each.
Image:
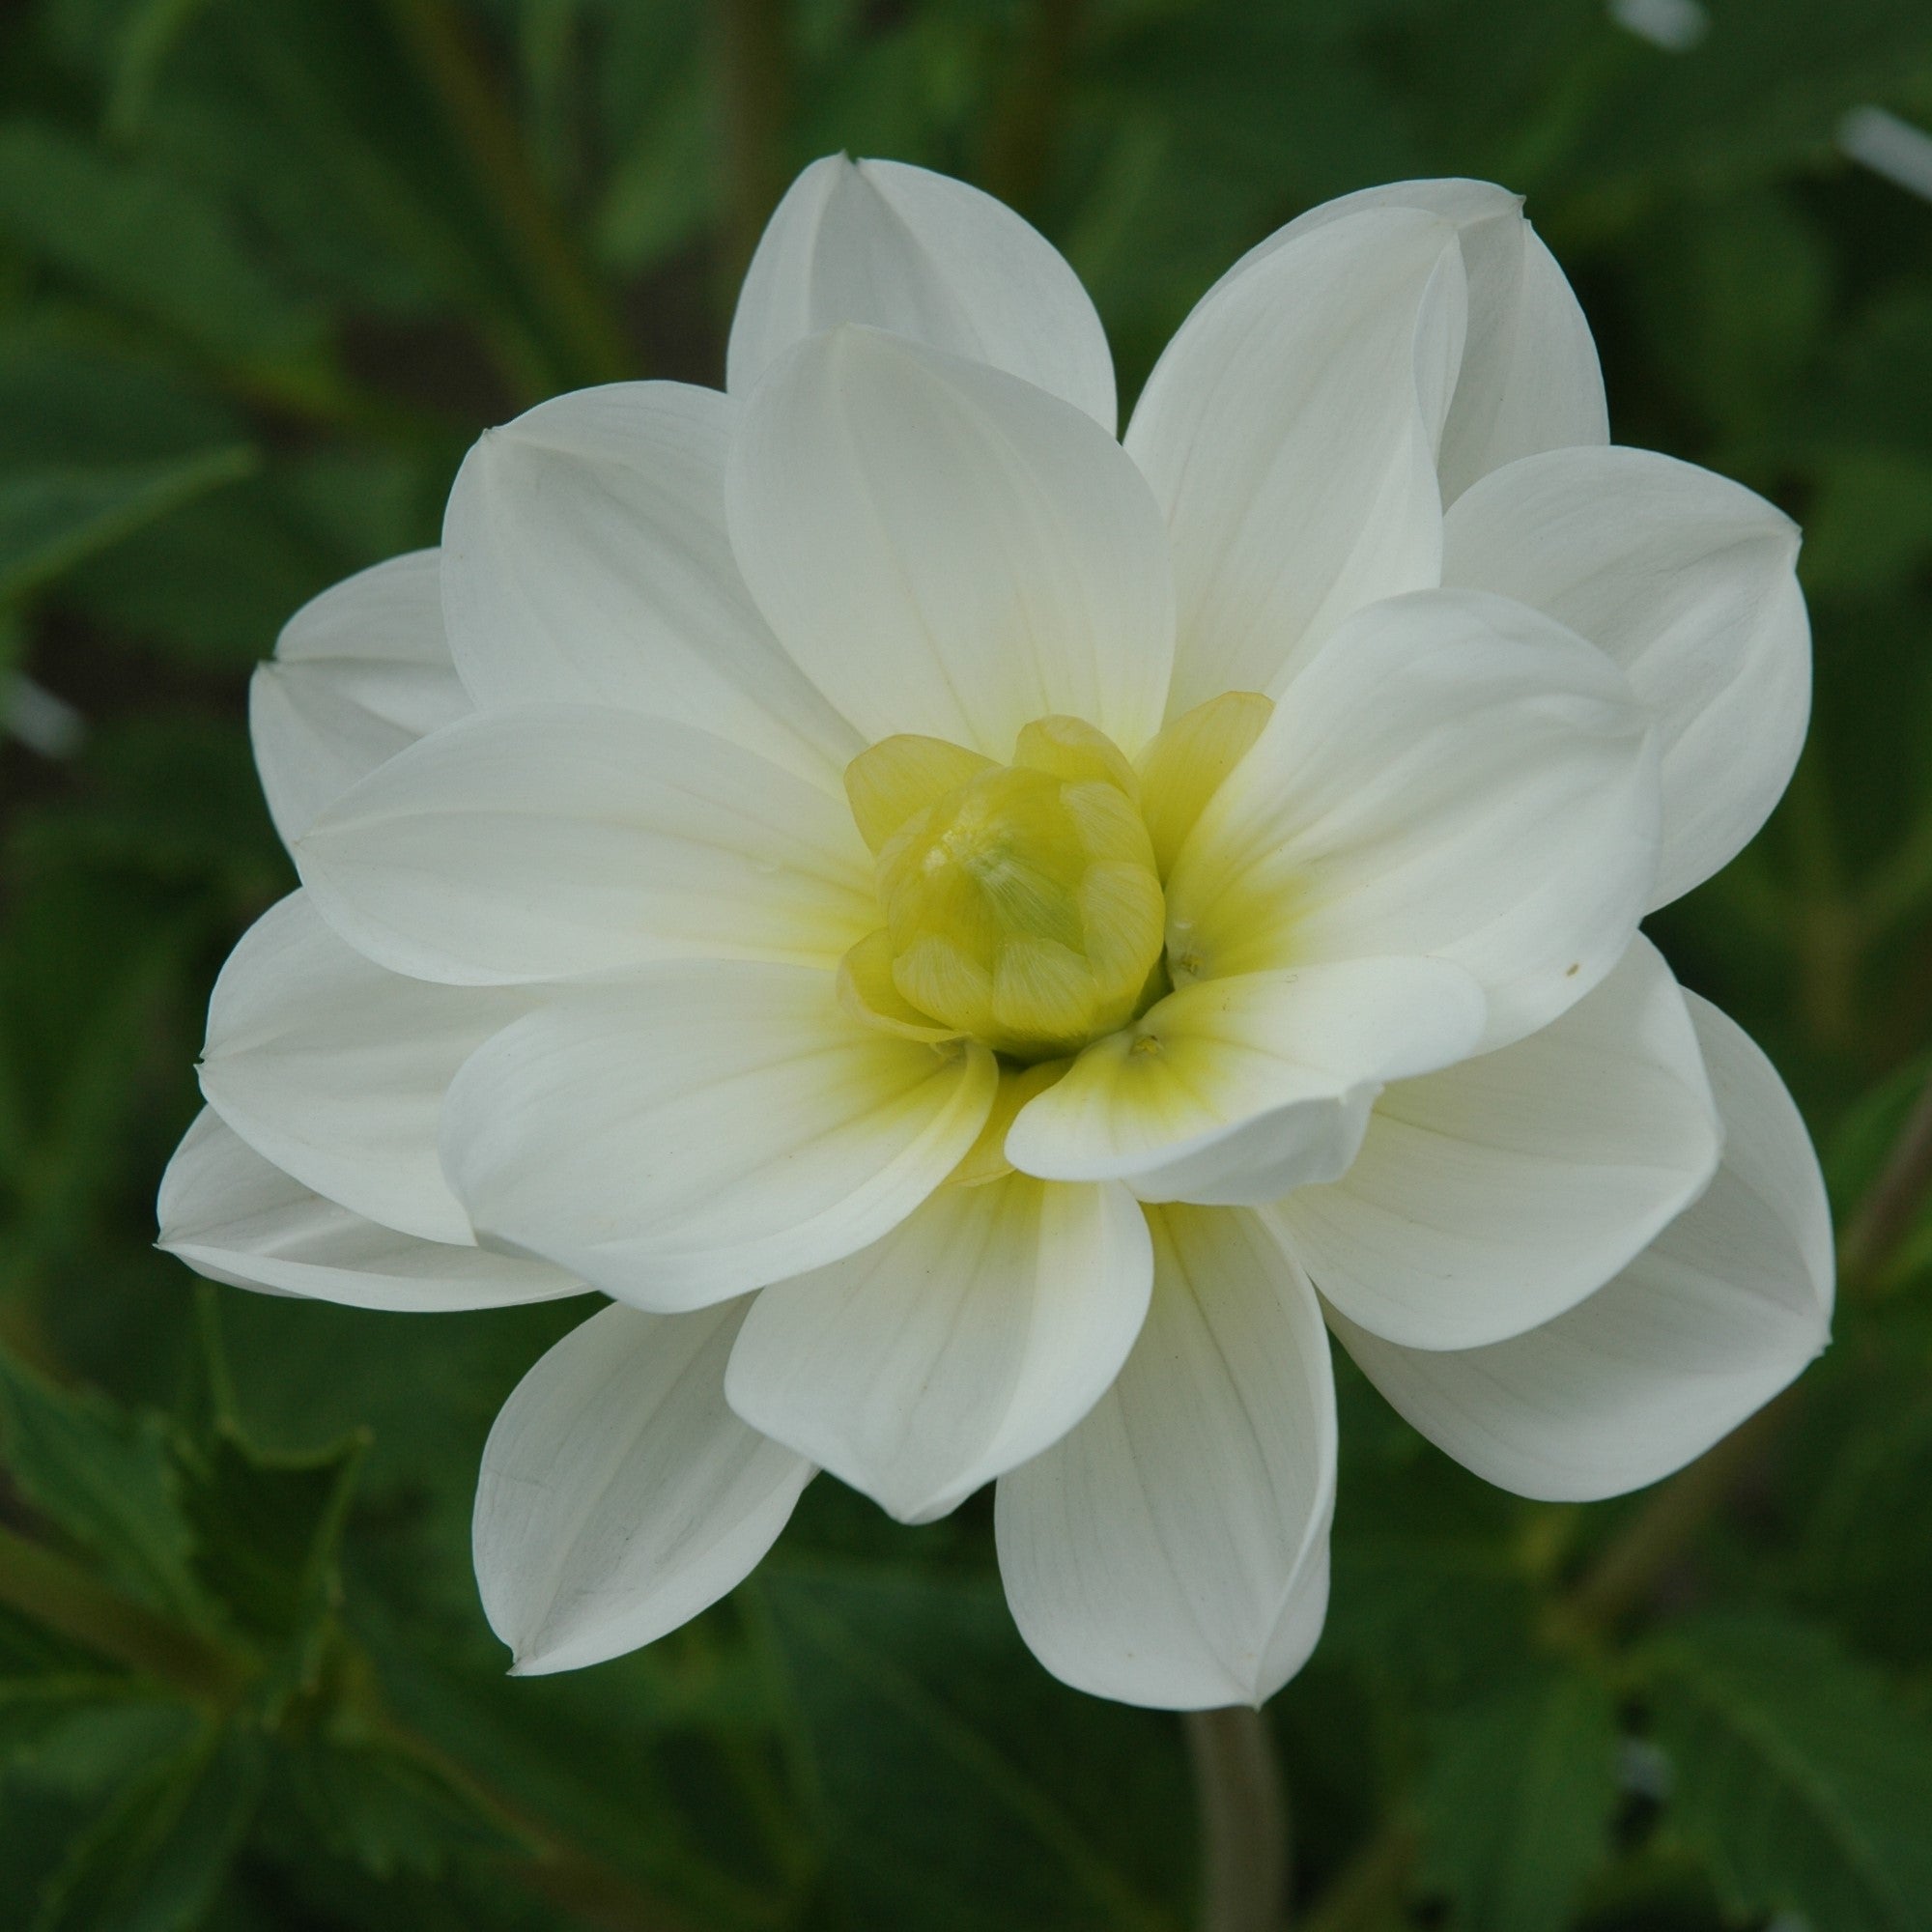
(754, 72)
(1243, 1821)
(1026, 118)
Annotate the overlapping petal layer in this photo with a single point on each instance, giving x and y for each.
(903, 249)
(360, 673)
(1290, 435)
(1528, 379)
(1688, 582)
(1173, 1549)
(977, 1332)
(619, 1495)
(1236, 1089)
(554, 841)
(704, 1129)
(947, 550)
(1490, 1197)
(335, 1070)
(1455, 776)
(586, 562)
(1708, 1323)
(237, 1218)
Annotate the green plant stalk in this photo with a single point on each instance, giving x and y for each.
(1237, 1788)
(753, 81)
(1026, 118)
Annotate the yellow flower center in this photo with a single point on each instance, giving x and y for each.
(1022, 903)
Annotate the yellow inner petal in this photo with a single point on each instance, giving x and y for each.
(865, 990)
(901, 776)
(1186, 764)
(1023, 904)
(986, 1158)
(1071, 748)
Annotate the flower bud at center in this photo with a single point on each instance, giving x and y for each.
(1021, 902)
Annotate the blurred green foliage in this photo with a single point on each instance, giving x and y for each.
(265, 268)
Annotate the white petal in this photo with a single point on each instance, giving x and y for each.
(1493, 1195)
(978, 1331)
(586, 562)
(359, 673)
(1707, 1324)
(703, 1129)
(1235, 1091)
(1529, 378)
(1173, 1549)
(551, 841)
(1290, 435)
(335, 1070)
(235, 1217)
(619, 1495)
(1455, 776)
(946, 550)
(925, 257)
(1690, 582)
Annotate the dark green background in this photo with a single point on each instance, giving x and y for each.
(265, 268)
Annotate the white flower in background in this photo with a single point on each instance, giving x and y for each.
(987, 943)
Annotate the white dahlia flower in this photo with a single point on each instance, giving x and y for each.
(989, 943)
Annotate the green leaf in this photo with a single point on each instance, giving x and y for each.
(1800, 1776)
(126, 819)
(52, 519)
(1735, 296)
(266, 1529)
(93, 987)
(1761, 93)
(388, 1811)
(1866, 1561)
(157, 1860)
(148, 243)
(69, 394)
(216, 583)
(147, 37)
(1431, 1581)
(36, 1710)
(1442, 1612)
(962, 1787)
(1870, 526)
(1517, 1800)
(103, 1475)
(1861, 1144)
